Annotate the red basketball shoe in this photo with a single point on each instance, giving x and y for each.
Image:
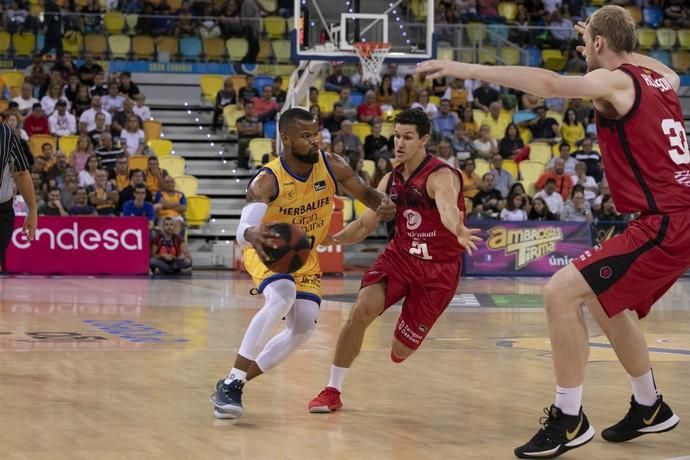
(327, 401)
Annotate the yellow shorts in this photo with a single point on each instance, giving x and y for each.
(307, 279)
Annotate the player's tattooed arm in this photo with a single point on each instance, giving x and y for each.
(444, 186)
(375, 200)
(252, 230)
(262, 189)
(361, 227)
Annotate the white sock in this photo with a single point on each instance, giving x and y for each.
(337, 377)
(644, 389)
(236, 374)
(569, 400)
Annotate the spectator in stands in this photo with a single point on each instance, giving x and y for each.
(397, 82)
(71, 89)
(36, 122)
(266, 107)
(424, 104)
(503, 180)
(56, 173)
(575, 63)
(349, 109)
(103, 195)
(140, 108)
(324, 134)
(13, 124)
(25, 100)
(81, 205)
(339, 147)
(120, 176)
(563, 181)
(208, 27)
(87, 176)
(250, 15)
(87, 120)
(512, 146)
(163, 24)
(53, 207)
(591, 158)
(337, 80)
(127, 87)
(248, 127)
(50, 100)
(350, 140)
(543, 128)
(18, 18)
(676, 14)
(230, 20)
(169, 202)
(385, 95)
(445, 153)
(461, 144)
(551, 197)
(54, 78)
(493, 120)
(65, 65)
(247, 92)
(407, 95)
(99, 88)
(132, 138)
(581, 110)
(169, 253)
(48, 154)
(335, 119)
(376, 145)
(607, 212)
(564, 154)
(113, 102)
(485, 146)
(470, 125)
(470, 179)
(383, 167)
(92, 17)
(82, 102)
(82, 152)
(36, 73)
(136, 177)
(514, 211)
(139, 207)
(540, 210)
(488, 200)
(369, 111)
(154, 175)
(357, 164)
(572, 130)
(119, 120)
(88, 70)
(586, 182)
(560, 28)
(69, 186)
(457, 94)
(279, 94)
(484, 96)
(108, 152)
(576, 209)
(186, 25)
(40, 188)
(61, 122)
(443, 124)
(95, 134)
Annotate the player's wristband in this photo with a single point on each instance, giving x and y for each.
(252, 215)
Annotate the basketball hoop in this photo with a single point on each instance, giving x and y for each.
(371, 55)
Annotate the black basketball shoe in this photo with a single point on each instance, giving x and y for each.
(227, 399)
(559, 433)
(642, 420)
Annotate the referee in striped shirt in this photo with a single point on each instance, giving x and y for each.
(15, 162)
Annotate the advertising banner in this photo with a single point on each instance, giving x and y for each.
(81, 246)
(526, 248)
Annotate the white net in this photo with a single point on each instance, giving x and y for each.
(372, 56)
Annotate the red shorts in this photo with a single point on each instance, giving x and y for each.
(634, 269)
(428, 288)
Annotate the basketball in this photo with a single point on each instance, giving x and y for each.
(292, 251)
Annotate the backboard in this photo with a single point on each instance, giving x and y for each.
(324, 30)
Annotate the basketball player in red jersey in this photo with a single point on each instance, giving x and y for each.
(647, 162)
(422, 263)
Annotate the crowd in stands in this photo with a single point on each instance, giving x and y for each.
(104, 117)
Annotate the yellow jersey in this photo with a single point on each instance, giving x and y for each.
(306, 202)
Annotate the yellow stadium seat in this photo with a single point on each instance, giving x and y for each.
(186, 184)
(198, 210)
(666, 37)
(481, 166)
(684, 38)
(445, 53)
(646, 37)
(139, 162)
(237, 48)
(327, 99)
(13, 78)
(24, 44)
(348, 209)
(635, 12)
(275, 27)
(510, 55)
(174, 165)
(258, 148)
(73, 43)
(169, 45)
(525, 134)
(231, 114)
(4, 104)
(387, 129)
(361, 130)
(210, 85)
(265, 51)
(476, 32)
(681, 61)
(37, 140)
(67, 144)
(268, 5)
(152, 129)
(143, 47)
(97, 44)
(214, 49)
(508, 10)
(161, 147)
(436, 100)
(281, 50)
(554, 59)
(369, 167)
(5, 41)
(487, 55)
(132, 20)
(540, 152)
(531, 170)
(511, 167)
(419, 9)
(114, 22)
(120, 46)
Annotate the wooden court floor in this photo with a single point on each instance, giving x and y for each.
(94, 368)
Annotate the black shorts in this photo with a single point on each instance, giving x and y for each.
(6, 228)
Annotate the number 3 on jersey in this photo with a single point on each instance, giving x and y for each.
(679, 151)
(420, 250)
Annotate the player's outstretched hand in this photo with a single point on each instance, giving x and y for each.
(580, 30)
(386, 209)
(438, 68)
(467, 236)
(259, 237)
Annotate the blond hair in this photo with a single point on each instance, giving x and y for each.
(616, 25)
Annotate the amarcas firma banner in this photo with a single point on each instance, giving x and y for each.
(526, 248)
(81, 246)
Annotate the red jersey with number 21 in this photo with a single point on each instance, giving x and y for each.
(645, 154)
(419, 230)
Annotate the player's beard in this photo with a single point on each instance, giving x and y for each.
(310, 158)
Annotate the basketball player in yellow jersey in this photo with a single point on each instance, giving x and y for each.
(296, 188)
